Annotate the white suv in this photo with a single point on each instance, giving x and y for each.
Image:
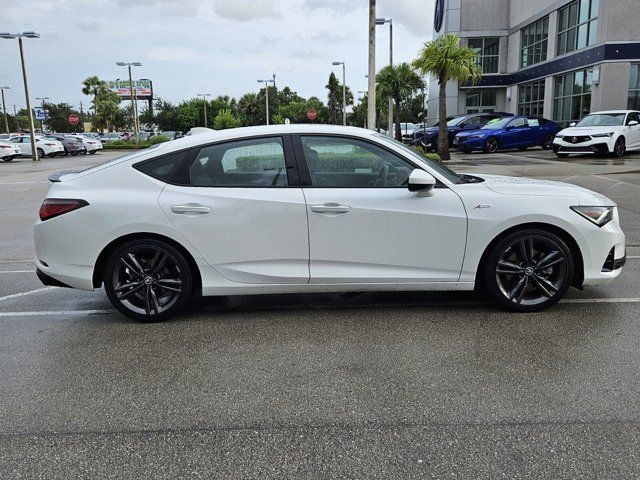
(611, 132)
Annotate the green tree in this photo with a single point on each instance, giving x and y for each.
(93, 86)
(251, 110)
(225, 119)
(335, 99)
(166, 116)
(447, 60)
(58, 120)
(397, 82)
(190, 114)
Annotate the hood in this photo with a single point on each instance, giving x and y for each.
(537, 187)
(477, 131)
(581, 131)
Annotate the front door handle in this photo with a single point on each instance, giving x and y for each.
(330, 208)
(190, 208)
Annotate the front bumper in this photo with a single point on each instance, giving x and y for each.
(596, 146)
(467, 143)
(604, 254)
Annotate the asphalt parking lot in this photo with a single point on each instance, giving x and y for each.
(403, 385)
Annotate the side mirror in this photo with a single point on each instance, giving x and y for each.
(572, 124)
(632, 123)
(421, 181)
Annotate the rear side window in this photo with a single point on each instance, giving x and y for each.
(170, 168)
(243, 163)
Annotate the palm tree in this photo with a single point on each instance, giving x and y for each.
(447, 60)
(92, 86)
(397, 82)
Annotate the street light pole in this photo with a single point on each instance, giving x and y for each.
(9, 36)
(266, 93)
(344, 94)
(204, 98)
(133, 101)
(371, 109)
(382, 21)
(4, 109)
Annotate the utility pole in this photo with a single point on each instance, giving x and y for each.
(204, 98)
(4, 110)
(382, 21)
(266, 93)
(133, 101)
(371, 97)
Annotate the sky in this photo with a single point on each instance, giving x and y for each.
(187, 47)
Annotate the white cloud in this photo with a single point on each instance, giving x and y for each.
(172, 54)
(246, 10)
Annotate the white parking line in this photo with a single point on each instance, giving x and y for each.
(17, 271)
(600, 300)
(17, 261)
(22, 294)
(54, 312)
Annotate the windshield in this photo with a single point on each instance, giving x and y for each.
(450, 175)
(501, 123)
(455, 121)
(602, 120)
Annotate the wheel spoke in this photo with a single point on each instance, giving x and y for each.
(541, 287)
(135, 263)
(518, 290)
(549, 260)
(135, 289)
(154, 298)
(159, 261)
(548, 284)
(508, 268)
(170, 285)
(126, 286)
(131, 268)
(147, 303)
(523, 251)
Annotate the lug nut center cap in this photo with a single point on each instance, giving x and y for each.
(528, 271)
(148, 280)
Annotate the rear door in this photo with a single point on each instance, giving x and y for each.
(365, 226)
(241, 208)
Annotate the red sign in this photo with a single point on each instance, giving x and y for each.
(312, 114)
(74, 119)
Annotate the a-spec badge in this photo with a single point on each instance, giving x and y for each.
(482, 205)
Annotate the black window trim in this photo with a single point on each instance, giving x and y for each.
(293, 178)
(305, 175)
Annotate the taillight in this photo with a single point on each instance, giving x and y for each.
(50, 144)
(53, 207)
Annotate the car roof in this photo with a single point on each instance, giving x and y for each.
(604, 112)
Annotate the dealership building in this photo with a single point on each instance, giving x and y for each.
(559, 59)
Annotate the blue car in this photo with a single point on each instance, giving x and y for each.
(511, 132)
(428, 138)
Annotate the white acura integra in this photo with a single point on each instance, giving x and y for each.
(302, 208)
(606, 133)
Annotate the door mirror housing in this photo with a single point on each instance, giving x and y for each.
(632, 123)
(421, 181)
(572, 124)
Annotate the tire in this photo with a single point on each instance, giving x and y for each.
(73, 154)
(515, 276)
(151, 294)
(65, 153)
(562, 155)
(7, 159)
(491, 145)
(92, 152)
(522, 149)
(40, 153)
(620, 147)
(547, 143)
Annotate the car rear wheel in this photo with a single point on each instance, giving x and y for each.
(148, 280)
(7, 159)
(491, 145)
(547, 143)
(620, 147)
(529, 270)
(40, 153)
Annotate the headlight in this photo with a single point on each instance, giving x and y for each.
(598, 215)
(603, 135)
(474, 136)
(559, 137)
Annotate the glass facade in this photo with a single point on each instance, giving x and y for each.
(531, 98)
(577, 25)
(572, 96)
(534, 42)
(487, 51)
(481, 100)
(633, 103)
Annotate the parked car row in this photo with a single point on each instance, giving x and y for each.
(603, 133)
(49, 145)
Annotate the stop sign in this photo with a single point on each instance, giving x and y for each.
(74, 119)
(312, 114)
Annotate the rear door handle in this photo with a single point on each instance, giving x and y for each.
(190, 208)
(330, 208)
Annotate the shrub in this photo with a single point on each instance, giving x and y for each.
(157, 139)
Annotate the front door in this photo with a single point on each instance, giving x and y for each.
(240, 213)
(365, 226)
(517, 134)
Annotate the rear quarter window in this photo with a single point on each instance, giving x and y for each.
(171, 168)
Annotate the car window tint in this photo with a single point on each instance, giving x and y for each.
(169, 168)
(244, 163)
(475, 121)
(533, 122)
(632, 117)
(350, 163)
(518, 122)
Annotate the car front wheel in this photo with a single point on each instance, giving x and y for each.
(148, 280)
(620, 147)
(547, 143)
(491, 145)
(529, 270)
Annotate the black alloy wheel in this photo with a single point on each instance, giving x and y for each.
(547, 143)
(529, 270)
(491, 145)
(620, 147)
(148, 280)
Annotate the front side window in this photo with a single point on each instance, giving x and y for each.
(336, 162)
(487, 53)
(531, 98)
(572, 96)
(632, 117)
(243, 163)
(534, 43)
(577, 25)
(633, 102)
